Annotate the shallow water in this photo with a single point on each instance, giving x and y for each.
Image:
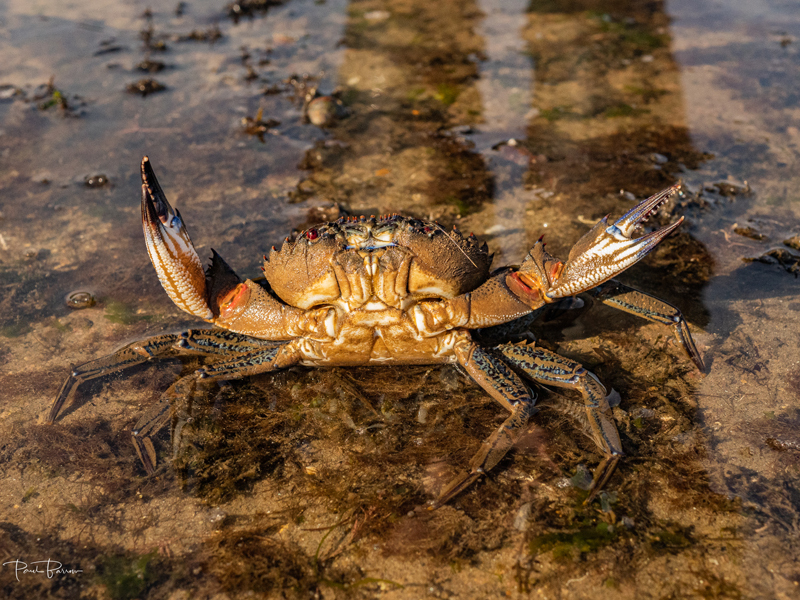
(300, 484)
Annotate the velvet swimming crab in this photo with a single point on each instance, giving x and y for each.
(390, 290)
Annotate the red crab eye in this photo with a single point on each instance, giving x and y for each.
(427, 229)
(312, 234)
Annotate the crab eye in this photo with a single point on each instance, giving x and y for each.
(312, 234)
(427, 229)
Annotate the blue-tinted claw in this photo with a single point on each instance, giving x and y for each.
(607, 250)
(602, 253)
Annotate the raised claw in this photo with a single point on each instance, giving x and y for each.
(603, 252)
(170, 248)
(218, 295)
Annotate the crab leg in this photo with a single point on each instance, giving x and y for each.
(132, 354)
(549, 368)
(194, 341)
(278, 357)
(603, 252)
(219, 341)
(620, 296)
(271, 357)
(157, 416)
(507, 389)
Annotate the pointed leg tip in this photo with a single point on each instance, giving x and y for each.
(146, 453)
(593, 492)
(698, 362)
(691, 351)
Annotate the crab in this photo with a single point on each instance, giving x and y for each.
(389, 290)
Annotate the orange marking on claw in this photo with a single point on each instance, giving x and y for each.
(523, 286)
(234, 299)
(555, 271)
(519, 280)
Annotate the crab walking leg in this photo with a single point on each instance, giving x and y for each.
(132, 354)
(194, 341)
(507, 389)
(157, 416)
(174, 405)
(273, 359)
(552, 369)
(219, 341)
(620, 296)
(280, 356)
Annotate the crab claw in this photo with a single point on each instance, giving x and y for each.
(602, 253)
(170, 248)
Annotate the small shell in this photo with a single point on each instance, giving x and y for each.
(80, 299)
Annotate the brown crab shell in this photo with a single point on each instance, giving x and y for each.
(300, 273)
(443, 265)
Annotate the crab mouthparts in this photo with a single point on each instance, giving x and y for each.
(370, 244)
